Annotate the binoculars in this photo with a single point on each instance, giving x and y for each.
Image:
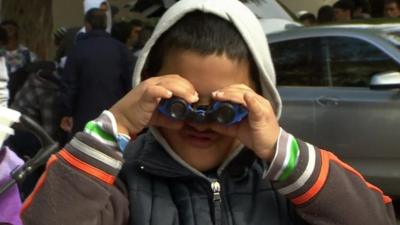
(226, 113)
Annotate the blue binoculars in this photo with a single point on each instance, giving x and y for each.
(226, 113)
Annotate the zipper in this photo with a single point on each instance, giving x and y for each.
(216, 190)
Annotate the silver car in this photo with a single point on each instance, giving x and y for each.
(340, 91)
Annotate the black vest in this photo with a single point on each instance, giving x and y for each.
(163, 192)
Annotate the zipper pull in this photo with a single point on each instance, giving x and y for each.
(216, 189)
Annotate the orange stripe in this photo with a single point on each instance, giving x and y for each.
(332, 157)
(318, 184)
(39, 184)
(87, 168)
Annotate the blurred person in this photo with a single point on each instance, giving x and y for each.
(4, 94)
(362, 9)
(96, 75)
(59, 42)
(99, 4)
(306, 18)
(10, 201)
(17, 57)
(392, 8)
(377, 8)
(144, 36)
(343, 10)
(122, 31)
(136, 30)
(325, 14)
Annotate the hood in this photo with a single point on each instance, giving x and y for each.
(89, 4)
(246, 23)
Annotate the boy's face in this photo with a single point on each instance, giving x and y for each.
(196, 143)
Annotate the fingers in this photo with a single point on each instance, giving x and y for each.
(179, 86)
(234, 93)
(255, 107)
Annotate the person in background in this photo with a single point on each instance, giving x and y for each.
(4, 93)
(144, 36)
(123, 32)
(10, 201)
(59, 43)
(392, 8)
(97, 73)
(99, 4)
(306, 18)
(343, 10)
(136, 30)
(17, 55)
(325, 15)
(362, 9)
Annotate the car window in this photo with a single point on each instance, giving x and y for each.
(354, 61)
(298, 62)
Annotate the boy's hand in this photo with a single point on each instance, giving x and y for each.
(138, 109)
(260, 130)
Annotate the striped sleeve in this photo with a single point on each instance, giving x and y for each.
(104, 130)
(323, 187)
(85, 170)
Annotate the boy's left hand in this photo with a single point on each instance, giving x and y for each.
(260, 130)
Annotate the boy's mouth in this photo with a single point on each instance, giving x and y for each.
(199, 138)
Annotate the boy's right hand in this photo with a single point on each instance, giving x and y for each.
(138, 109)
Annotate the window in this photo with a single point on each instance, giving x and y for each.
(354, 61)
(298, 62)
(329, 61)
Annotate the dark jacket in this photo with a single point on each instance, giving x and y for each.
(97, 74)
(165, 192)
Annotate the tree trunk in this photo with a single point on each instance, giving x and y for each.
(35, 20)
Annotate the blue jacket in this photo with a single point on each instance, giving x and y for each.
(97, 74)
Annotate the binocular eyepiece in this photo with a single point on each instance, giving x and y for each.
(226, 113)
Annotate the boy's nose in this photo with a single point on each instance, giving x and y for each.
(199, 126)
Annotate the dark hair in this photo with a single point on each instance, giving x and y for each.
(363, 4)
(345, 5)
(96, 18)
(386, 2)
(307, 16)
(3, 36)
(325, 14)
(121, 31)
(205, 34)
(137, 23)
(144, 36)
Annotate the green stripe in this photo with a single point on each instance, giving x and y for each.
(94, 128)
(294, 154)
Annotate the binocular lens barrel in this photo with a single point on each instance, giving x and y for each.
(178, 109)
(225, 114)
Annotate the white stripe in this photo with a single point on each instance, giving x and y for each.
(287, 157)
(94, 153)
(306, 174)
(111, 117)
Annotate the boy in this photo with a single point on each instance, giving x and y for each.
(185, 172)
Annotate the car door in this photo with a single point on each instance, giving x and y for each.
(300, 76)
(352, 119)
